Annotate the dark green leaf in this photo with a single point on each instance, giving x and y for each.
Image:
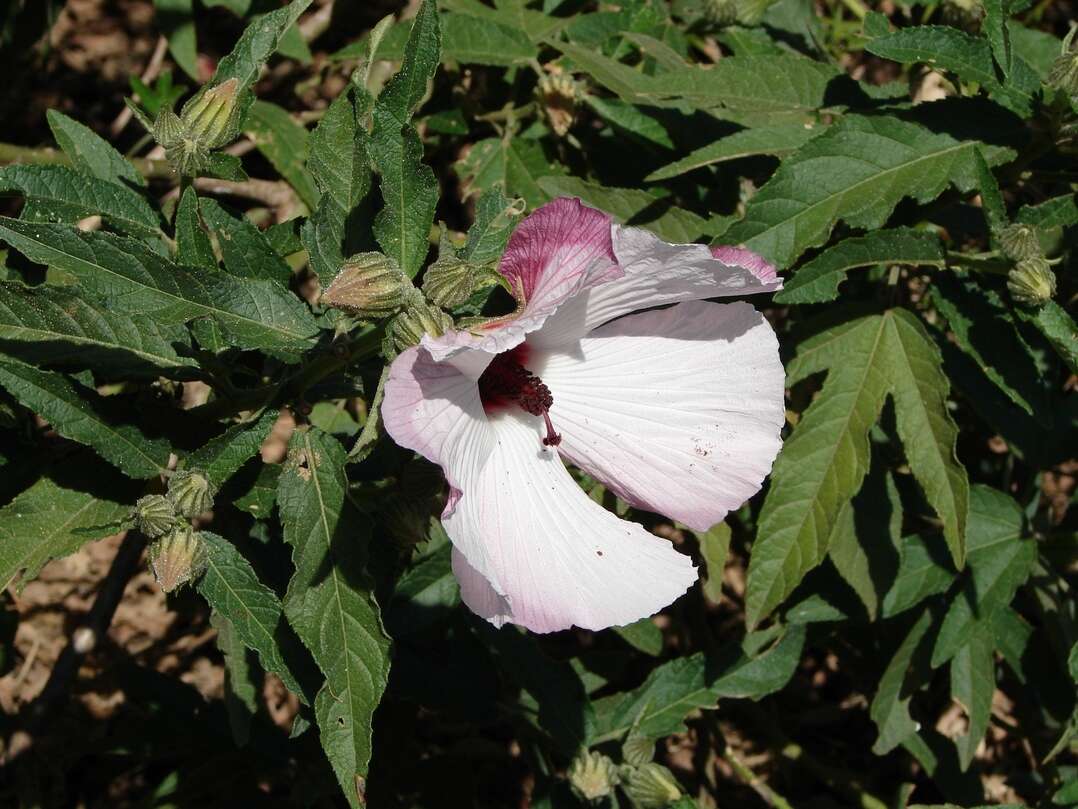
(890, 708)
(193, 246)
(90, 153)
(258, 42)
(244, 249)
(220, 458)
(283, 142)
(973, 681)
(778, 141)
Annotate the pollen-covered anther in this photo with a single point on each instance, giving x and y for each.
(506, 381)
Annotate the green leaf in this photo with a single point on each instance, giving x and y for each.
(535, 24)
(244, 249)
(818, 280)
(495, 218)
(890, 708)
(823, 463)
(995, 209)
(125, 274)
(778, 141)
(514, 164)
(748, 669)
(409, 187)
(48, 521)
(259, 41)
(221, 457)
(473, 40)
(973, 681)
(283, 142)
(340, 168)
(857, 171)
(81, 415)
(427, 591)
(999, 562)
(629, 206)
(947, 48)
(59, 194)
(644, 636)
(330, 604)
(243, 679)
(983, 330)
(714, 548)
(175, 19)
(259, 499)
(90, 153)
(1059, 329)
(923, 571)
(56, 326)
(193, 246)
(233, 589)
(631, 119)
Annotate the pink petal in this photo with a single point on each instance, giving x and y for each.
(556, 252)
(677, 410)
(657, 273)
(534, 550)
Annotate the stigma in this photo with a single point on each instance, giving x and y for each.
(507, 382)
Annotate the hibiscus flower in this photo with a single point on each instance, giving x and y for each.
(677, 410)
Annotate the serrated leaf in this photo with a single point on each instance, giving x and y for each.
(48, 521)
(629, 206)
(890, 708)
(1059, 328)
(983, 329)
(777, 141)
(330, 604)
(193, 246)
(1059, 211)
(973, 681)
(55, 326)
(245, 251)
(233, 589)
(947, 48)
(999, 562)
(59, 194)
(644, 636)
(341, 170)
(409, 187)
(535, 24)
(631, 119)
(473, 40)
(823, 464)
(259, 499)
(257, 43)
(514, 164)
(90, 153)
(495, 218)
(283, 142)
(80, 414)
(818, 280)
(221, 457)
(127, 275)
(743, 669)
(857, 171)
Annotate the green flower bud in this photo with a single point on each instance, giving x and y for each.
(965, 14)
(652, 786)
(154, 515)
(1032, 281)
(418, 318)
(168, 129)
(177, 558)
(720, 12)
(210, 117)
(369, 286)
(592, 776)
(187, 156)
(1019, 242)
(637, 750)
(1064, 73)
(750, 12)
(191, 493)
(558, 94)
(450, 281)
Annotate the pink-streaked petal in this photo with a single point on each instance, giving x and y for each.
(559, 250)
(551, 557)
(435, 410)
(763, 269)
(678, 410)
(562, 239)
(656, 273)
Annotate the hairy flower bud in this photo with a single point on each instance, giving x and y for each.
(1032, 281)
(558, 94)
(191, 493)
(592, 776)
(418, 318)
(168, 129)
(210, 116)
(177, 558)
(1019, 242)
(154, 515)
(1064, 72)
(720, 12)
(450, 281)
(369, 286)
(652, 786)
(637, 750)
(750, 12)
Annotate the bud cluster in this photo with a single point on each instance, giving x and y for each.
(1031, 280)
(1064, 72)
(558, 95)
(208, 121)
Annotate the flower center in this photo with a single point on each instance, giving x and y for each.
(506, 381)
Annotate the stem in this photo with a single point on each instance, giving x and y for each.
(749, 777)
(12, 153)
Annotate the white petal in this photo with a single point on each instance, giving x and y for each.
(552, 557)
(677, 411)
(656, 273)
